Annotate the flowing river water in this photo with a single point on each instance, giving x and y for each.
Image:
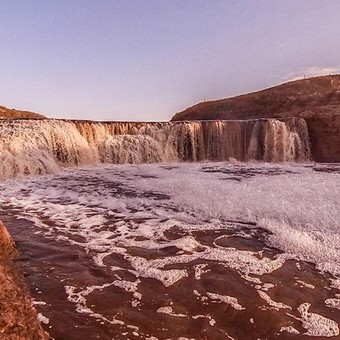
(182, 250)
(35, 147)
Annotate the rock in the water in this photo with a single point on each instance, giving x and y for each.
(5, 237)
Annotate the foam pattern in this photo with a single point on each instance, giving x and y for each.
(164, 228)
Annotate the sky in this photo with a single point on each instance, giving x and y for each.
(145, 60)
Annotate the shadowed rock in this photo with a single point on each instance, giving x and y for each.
(5, 237)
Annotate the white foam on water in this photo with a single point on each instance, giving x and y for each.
(43, 319)
(200, 269)
(165, 310)
(315, 324)
(317, 246)
(289, 329)
(274, 304)
(169, 311)
(305, 284)
(35, 147)
(38, 303)
(245, 262)
(229, 300)
(267, 286)
(118, 208)
(335, 283)
(147, 269)
(211, 320)
(79, 299)
(300, 208)
(333, 303)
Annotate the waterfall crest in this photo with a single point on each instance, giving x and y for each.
(31, 147)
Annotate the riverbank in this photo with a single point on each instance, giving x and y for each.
(18, 317)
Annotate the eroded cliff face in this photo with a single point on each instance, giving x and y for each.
(324, 134)
(18, 318)
(315, 99)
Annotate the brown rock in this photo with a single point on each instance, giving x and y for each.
(6, 113)
(315, 99)
(5, 237)
(18, 318)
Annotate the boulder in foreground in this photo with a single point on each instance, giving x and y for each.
(18, 318)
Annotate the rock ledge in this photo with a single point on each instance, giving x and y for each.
(18, 318)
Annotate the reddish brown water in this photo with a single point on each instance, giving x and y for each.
(49, 265)
(98, 269)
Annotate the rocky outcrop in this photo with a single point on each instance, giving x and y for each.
(6, 240)
(18, 318)
(315, 99)
(324, 134)
(6, 113)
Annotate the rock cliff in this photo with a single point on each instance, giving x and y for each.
(315, 99)
(18, 318)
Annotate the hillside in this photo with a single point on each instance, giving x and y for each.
(6, 113)
(296, 98)
(315, 99)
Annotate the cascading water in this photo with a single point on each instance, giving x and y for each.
(44, 146)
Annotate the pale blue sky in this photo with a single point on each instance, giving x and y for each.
(145, 60)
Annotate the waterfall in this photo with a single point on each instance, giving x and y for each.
(32, 147)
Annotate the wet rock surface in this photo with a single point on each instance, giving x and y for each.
(18, 317)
